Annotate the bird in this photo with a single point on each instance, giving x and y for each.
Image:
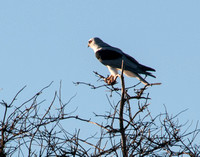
(112, 58)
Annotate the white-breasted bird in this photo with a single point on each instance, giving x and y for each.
(112, 58)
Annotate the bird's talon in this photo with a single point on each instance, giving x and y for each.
(110, 80)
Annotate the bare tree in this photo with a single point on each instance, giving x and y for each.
(26, 130)
(137, 133)
(30, 130)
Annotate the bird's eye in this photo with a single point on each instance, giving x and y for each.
(89, 41)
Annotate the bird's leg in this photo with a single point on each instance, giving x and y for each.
(115, 77)
(111, 80)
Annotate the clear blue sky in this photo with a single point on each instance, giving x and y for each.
(44, 41)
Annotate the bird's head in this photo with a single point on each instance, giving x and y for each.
(96, 44)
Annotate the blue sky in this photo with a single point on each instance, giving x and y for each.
(44, 41)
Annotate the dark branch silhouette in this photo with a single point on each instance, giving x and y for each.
(127, 129)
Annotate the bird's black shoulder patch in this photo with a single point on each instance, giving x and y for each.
(107, 55)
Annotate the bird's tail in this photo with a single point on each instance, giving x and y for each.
(131, 74)
(146, 68)
(142, 79)
(150, 74)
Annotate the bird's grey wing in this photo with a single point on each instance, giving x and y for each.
(142, 67)
(135, 67)
(113, 57)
